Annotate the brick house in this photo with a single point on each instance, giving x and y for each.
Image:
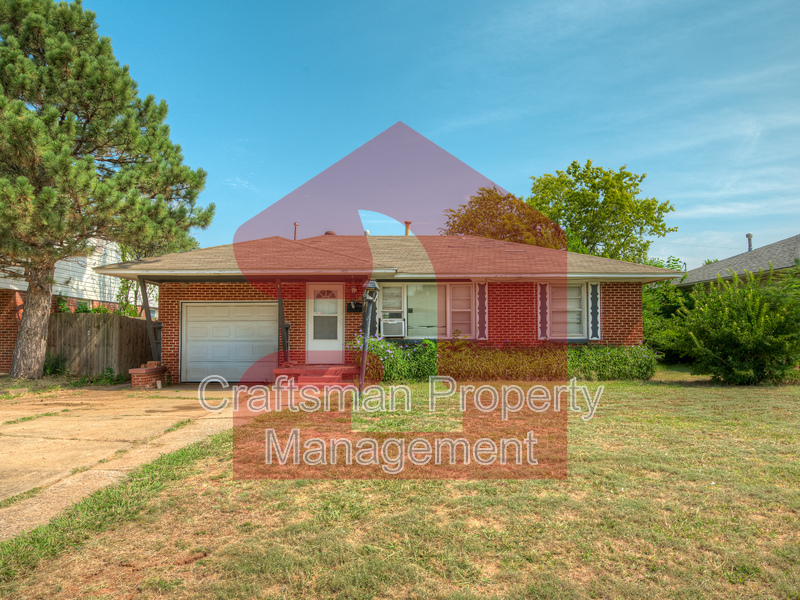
(221, 307)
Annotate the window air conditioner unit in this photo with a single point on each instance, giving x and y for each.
(393, 327)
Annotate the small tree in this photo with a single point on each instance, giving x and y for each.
(492, 214)
(603, 208)
(128, 292)
(81, 157)
(744, 330)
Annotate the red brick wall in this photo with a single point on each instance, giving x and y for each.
(172, 294)
(621, 313)
(10, 315)
(352, 325)
(512, 312)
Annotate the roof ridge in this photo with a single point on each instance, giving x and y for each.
(339, 253)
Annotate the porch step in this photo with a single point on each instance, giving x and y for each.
(324, 384)
(319, 375)
(304, 379)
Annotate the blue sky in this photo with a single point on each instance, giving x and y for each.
(704, 97)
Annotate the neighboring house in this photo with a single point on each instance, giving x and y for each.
(220, 310)
(780, 255)
(75, 280)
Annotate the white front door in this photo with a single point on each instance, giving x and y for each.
(325, 324)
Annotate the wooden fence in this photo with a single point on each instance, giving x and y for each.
(94, 342)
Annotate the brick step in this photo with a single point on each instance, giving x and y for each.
(322, 384)
(298, 371)
(305, 378)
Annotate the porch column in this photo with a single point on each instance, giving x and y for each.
(154, 349)
(282, 324)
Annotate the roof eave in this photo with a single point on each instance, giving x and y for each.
(642, 277)
(237, 275)
(230, 274)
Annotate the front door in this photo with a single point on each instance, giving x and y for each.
(325, 324)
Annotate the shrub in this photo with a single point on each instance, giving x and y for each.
(400, 361)
(126, 310)
(744, 331)
(61, 305)
(611, 362)
(55, 364)
(83, 307)
(469, 361)
(421, 360)
(660, 303)
(109, 377)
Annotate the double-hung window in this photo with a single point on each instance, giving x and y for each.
(567, 312)
(461, 310)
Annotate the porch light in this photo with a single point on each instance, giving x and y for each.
(371, 289)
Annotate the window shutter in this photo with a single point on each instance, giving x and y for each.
(594, 311)
(482, 311)
(544, 311)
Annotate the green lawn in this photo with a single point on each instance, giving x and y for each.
(677, 489)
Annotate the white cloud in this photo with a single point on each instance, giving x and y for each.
(238, 182)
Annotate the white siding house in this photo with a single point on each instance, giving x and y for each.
(76, 277)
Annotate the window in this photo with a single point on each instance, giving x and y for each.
(430, 310)
(426, 310)
(392, 302)
(326, 315)
(566, 309)
(461, 310)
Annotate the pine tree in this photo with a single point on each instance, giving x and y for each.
(82, 156)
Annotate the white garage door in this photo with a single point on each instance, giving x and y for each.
(229, 339)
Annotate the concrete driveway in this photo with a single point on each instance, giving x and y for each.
(48, 436)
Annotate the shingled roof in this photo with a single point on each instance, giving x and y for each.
(383, 257)
(781, 255)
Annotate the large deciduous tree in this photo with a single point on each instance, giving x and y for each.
(493, 214)
(603, 208)
(82, 156)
